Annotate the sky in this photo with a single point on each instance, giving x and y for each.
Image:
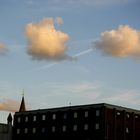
(69, 52)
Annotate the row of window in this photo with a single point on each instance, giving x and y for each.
(127, 115)
(64, 128)
(54, 116)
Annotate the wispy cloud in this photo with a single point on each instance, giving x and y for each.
(9, 105)
(3, 49)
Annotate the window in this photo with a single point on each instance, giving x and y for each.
(34, 118)
(97, 126)
(18, 119)
(34, 130)
(18, 131)
(75, 114)
(86, 127)
(26, 119)
(43, 117)
(26, 130)
(97, 113)
(118, 113)
(54, 116)
(86, 114)
(53, 129)
(127, 115)
(75, 128)
(65, 116)
(64, 128)
(136, 116)
(43, 130)
(127, 130)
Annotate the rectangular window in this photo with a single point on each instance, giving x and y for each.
(64, 128)
(127, 130)
(75, 114)
(97, 126)
(18, 131)
(97, 113)
(53, 129)
(43, 130)
(65, 116)
(75, 128)
(43, 117)
(86, 114)
(34, 130)
(26, 130)
(86, 127)
(54, 116)
(34, 118)
(26, 119)
(18, 119)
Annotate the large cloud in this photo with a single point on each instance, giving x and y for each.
(122, 42)
(45, 41)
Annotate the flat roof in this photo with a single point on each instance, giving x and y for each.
(87, 106)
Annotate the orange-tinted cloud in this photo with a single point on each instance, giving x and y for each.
(45, 41)
(9, 105)
(3, 49)
(122, 42)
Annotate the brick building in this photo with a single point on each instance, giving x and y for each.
(83, 122)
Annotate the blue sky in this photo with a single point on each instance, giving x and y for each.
(95, 76)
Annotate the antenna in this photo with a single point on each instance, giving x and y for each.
(22, 92)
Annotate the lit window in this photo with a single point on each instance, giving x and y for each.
(34, 118)
(75, 114)
(64, 128)
(26, 130)
(18, 131)
(43, 130)
(34, 130)
(127, 130)
(53, 129)
(97, 126)
(19, 119)
(54, 116)
(26, 119)
(97, 113)
(86, 114)
(118, 113)
(127, 115)
(75, 128)
(86, 127)
(43, 117)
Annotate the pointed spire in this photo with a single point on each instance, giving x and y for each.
(22, 105)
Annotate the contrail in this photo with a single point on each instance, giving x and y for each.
(74, 57)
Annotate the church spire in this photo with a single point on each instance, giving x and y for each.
(22, 105)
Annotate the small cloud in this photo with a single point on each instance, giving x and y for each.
(3, 49)
(121, 42)
(45, 41)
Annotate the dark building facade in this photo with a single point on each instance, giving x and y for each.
(84, 122)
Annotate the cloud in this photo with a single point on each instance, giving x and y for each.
(122, 42)
(130, 98)
(45, 41)
(9, 105)
(3, 49)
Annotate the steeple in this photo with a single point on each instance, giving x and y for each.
(22, 105)
(9, 119)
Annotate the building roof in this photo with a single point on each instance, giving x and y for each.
(88, 106)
